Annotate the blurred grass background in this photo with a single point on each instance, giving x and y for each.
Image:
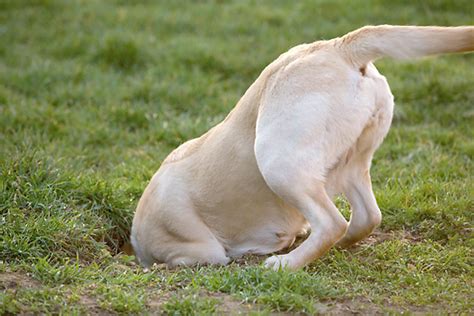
(94, 94)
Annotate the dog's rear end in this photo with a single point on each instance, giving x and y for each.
(348, 105)
(284, 94)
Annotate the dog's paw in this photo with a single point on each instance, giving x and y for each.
(279, 262)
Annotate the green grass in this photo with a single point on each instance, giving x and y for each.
(93, 96)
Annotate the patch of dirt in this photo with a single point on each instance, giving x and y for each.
(362, 306)
(92, 306)
(230, 306)
(154, 302)
(378, 237)
(227, 304)
(15, 280)
(351, 307)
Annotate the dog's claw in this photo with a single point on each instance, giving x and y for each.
(278, 262)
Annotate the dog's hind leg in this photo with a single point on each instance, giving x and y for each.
(179, 240)
(357, 186)
(296, 178)
(292, 154)
(366, 215)
(312, 112)
(327, 226)
(184, 239)
(204, 253)
(167, 229)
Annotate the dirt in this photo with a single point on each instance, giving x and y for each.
(362, 306)
(15, 280)
(230, 306)
(92, 306)
(378, 237)
(227, 305)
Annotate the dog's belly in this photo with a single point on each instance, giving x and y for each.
(258, 227)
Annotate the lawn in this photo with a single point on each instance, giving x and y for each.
(93, 96)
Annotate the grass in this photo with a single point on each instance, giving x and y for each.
(94, 94)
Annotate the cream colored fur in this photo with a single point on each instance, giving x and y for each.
(304, 131)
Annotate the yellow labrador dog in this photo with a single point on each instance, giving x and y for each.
(305, 130)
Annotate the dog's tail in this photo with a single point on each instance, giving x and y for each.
(372, 42)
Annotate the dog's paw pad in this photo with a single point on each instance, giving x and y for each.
(278, 262)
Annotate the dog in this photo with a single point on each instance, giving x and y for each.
(303, 132)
